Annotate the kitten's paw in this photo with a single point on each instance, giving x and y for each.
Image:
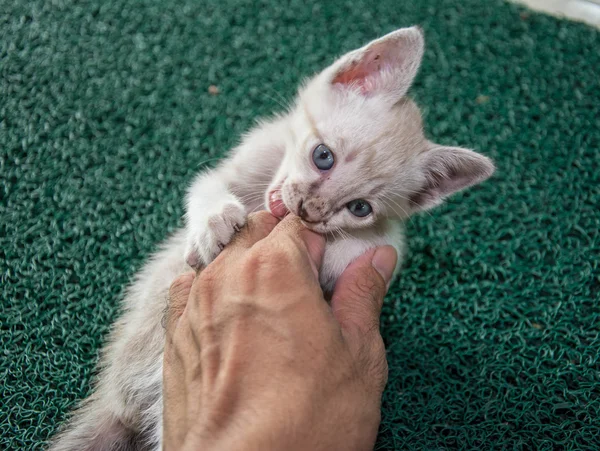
(207, 238)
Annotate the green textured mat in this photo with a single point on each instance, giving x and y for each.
(493, 330)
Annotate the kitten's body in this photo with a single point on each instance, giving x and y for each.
(358, 107)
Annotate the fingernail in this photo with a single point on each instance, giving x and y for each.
(384, 262)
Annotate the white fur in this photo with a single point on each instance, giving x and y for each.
(357, 107)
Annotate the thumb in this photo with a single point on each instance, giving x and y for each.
(359, 291)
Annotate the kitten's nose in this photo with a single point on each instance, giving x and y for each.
(301, 211)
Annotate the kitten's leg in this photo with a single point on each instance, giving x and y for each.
(213, 216)
(219, 200)
(124, 412)
(340, 252)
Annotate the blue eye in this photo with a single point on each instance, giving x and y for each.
(323, 157)
(360, 208)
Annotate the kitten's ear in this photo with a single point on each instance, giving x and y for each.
(386, 66)
(448, 170)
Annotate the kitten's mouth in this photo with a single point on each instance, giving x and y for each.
(276, 205)
(278, 208)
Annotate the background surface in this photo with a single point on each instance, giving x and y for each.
(105, 116)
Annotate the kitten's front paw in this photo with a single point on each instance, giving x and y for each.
(207, 237)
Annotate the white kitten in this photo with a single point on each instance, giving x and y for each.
(350, 159)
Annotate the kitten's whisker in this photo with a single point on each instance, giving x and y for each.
(397, 204)
(410, 218)
(388, 205)
(259, 206)
(394, 210)
(261, 185)
(402, 197)
(329, 233)
(208, 160)
(252, 196)
(285, 104)
(334, 235)
(249, 202)
(343, 234)
(262, 171)
(258, 193)
(408, 199)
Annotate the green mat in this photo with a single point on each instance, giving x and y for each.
(105, 115)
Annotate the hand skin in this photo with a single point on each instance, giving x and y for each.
(255, 359)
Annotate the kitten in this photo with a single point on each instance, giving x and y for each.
(350, 158)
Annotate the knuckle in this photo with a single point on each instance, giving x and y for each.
(241, 313)
(362, 290)
(264, 217)
(370, 287)
(278, 256)
(209, 276)
(379, 374)
(256, 261)
(366, 285)
(181, 285)
(267, 254)
(262, 221)
(253, 260)
(266, 263)
(375, 365)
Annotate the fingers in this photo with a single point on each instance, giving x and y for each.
(177, 301)
(259, 226)
(292, 227)
(359, 292)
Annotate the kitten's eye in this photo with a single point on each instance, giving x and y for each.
(323, 157)
(360, 208)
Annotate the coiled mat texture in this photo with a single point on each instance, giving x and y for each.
(108, 108)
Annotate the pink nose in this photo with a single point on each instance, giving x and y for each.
(310, 211)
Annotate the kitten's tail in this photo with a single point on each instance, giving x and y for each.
(94, 428)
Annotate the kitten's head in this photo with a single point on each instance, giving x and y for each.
(357, 151)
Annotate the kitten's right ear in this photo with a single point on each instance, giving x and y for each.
(385, 67)
(447, 170)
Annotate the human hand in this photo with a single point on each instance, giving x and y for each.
(256, 359)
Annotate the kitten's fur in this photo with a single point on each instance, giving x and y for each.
(358, 108)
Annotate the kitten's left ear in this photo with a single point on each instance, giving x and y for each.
(386, 66)
(446, 171)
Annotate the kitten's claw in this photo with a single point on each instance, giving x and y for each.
(209, 234)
